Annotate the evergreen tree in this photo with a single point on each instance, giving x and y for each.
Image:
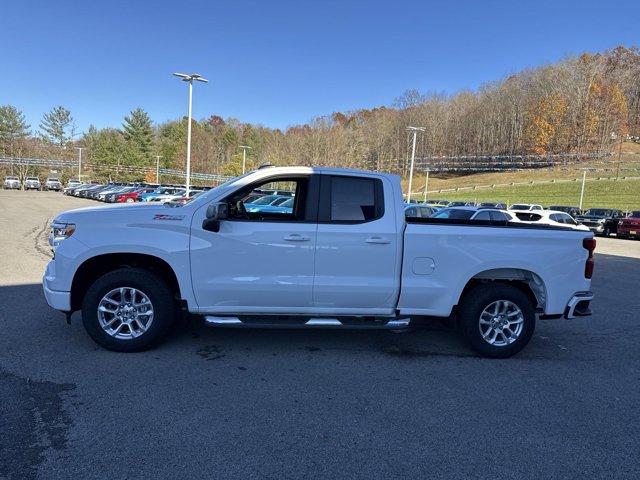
(57, 126)
(138, 133)
(12, 127)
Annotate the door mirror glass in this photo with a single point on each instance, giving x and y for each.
(217, 211)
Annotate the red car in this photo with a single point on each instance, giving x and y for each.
(132, 196)
(630, 227)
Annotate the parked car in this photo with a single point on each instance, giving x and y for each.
(629, 227)
(110, 197)
(499, 205)
(419, 210)
(258, 204)
(601, 221)
(132, 196)
(525, 206)
(147, 197)
(32, 183)
(166, 197)
(549, 217)
(53, 183)
(475, 213)
(573, 211)
(11, 183)
(345, 257)
(184, 199)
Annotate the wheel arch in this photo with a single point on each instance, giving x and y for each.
(527, 281)
(93, 268)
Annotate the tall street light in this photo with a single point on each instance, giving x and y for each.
(158, 157)
(415, 131)
(79, 160)
(244, 156)
(190, 79)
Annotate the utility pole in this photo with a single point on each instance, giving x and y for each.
(189, 78)
(619, 158)
(244, 156)
(415, 131)
(426, 186)
(79, 160)
(158, 157)
(584, 177)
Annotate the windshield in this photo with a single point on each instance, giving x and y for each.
(12, 178)
(454, 213)
(598, 212)
(520, 206)
(635, 214)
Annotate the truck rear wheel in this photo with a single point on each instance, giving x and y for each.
(497, 320)
(128, 310)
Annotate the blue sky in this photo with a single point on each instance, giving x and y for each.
(280, 63)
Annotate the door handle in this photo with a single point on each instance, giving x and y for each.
(378, 240)
(295, 237)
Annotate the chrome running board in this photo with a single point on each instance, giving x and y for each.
(273, 321)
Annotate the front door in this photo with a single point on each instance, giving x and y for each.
(262, 259)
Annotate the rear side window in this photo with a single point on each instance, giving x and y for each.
(484, 215)
(355, 199)
(500, 216)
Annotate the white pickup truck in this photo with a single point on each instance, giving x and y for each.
(343, 256)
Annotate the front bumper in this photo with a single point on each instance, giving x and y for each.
(12, 186)
(60, 300)
(578, 305)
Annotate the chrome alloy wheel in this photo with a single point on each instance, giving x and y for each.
(125, 313)
(501, 323)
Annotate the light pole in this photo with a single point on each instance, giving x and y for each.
(79, 160)
(584, 177)
(189, 78)
(244, 156)
(415, 131)
(426, 186)
(158, 157)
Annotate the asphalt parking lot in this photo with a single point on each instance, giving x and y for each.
(213, 403)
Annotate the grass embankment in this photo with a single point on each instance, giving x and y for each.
(622, 194)
(611, 193)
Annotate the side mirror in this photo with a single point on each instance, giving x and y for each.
(218, 211)
(215, 212)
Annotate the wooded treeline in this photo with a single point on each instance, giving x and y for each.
(578, 105)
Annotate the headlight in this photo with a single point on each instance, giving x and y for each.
(59, 232)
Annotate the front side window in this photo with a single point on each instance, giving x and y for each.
(250, 205)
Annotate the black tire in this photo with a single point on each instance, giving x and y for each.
(480, 297)
(160, 295)
(606, 232)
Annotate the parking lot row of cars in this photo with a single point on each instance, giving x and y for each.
(12, 182)
(601, 221)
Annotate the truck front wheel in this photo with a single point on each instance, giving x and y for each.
(128, 310)
(496, 319)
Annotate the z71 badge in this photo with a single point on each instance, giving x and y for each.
(163, 216)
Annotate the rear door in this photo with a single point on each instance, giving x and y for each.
(357, 267)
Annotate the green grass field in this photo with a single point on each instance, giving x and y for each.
(622, 194)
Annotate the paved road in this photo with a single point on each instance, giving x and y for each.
(324, 404)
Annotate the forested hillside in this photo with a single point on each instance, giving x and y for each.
(581, 104)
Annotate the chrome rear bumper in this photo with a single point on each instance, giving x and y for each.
(578, 306)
